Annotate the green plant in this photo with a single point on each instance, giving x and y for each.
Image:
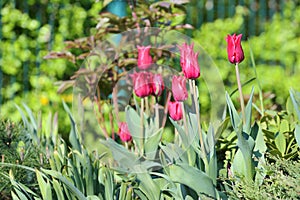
(18, 154)
(281, 182)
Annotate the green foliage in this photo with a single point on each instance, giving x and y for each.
(17, 155)
(28, 34)
(259, 156)
(281, 182)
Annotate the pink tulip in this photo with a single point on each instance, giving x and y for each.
(142, 83)
(157, 85)
(144, 57)
(234, 48)
(189, 61)
(124, 132)
(179, 88)
(175, 110)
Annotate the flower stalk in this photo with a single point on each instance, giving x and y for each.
(197, 107)
(240, 92)
(142, 126)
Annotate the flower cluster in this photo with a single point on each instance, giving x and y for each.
(190, 67)
(146, 83)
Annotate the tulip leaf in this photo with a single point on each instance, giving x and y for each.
(181, 132)
(234, 116)
(248, 113)
(245, 141)
(193, 178)
(295, 101)
(134, 125)
(147, 185)
(152, 143)
(174, 153)
(280, 142)
(222, 127)
(122, 156)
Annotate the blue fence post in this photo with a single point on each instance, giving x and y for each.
(117, 7)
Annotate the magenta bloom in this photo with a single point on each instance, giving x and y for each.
(142, 83)
(189, 61)
(144, 57)
(234, 49)
(179, 88)
(124, 132)
(175, 110)
(157, 85)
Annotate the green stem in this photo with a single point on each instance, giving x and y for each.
(184, 119)
(197, 107)
(240, 91)
(186, 132)
(142, 125)
(156, 115)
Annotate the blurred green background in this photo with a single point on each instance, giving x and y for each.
(31, 29)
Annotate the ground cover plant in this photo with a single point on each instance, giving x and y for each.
(137, 128)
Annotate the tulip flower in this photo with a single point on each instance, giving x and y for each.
(144, 57)
(124, 132)
(142, 84)
(189, 61)
(157, 85)
(179, 88)
(234, 49)
(175, 110)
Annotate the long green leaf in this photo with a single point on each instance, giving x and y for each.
(248, 113)
(44, 186)
(193, 178)
(234, 116)
(74, 136)
(152, 143)
(124, 158)
(58, 190)
(295, 102)
(66, 182)
(134, 125)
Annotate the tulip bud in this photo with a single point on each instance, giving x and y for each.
(179, 88)
(189, 61)
(175, 110)
(157, 85)
(234, 49)
(124, 132)
(142, 84)
(144, 57)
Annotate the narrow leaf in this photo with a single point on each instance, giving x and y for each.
(193, 178)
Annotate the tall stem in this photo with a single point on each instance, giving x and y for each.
(197, 107)
(184, 119)
(156, 115)
(240, 91)
(142, 126)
